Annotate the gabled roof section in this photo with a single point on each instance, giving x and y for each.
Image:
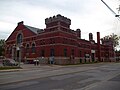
(33, 29)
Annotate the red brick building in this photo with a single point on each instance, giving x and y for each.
(57, 40)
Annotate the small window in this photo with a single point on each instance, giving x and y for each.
(72, 52)
(65, 52)
(52, 52)
(80, 53)
(27, 48)
(42, 53)
(33, 48)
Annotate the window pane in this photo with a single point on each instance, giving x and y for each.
(65, 52)
(19, 39)
(27, 48)
(33, 48)
(42, 53)
(52, 52)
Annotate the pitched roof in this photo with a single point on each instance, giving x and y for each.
(33, 29)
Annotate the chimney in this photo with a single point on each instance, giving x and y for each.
(98, 44)
(90, 36)
(19, 23)
(78, 32)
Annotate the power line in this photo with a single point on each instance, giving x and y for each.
(116, 15)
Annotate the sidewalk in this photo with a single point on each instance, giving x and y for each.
(29, 67)
(43, 67)
(32, 66)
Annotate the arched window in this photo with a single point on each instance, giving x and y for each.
(27, 48)
(19, 38)
(33, 48)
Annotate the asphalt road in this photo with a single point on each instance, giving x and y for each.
(85, 77)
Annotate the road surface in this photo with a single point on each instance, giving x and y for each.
(104, 76)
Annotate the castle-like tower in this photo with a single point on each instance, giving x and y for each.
(58, 20)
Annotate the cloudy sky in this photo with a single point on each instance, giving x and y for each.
(88, 15)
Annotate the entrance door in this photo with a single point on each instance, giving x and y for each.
(93, 57)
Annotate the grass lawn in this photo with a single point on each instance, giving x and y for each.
(9, 67)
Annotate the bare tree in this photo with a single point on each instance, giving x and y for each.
(2, 43)
(115, 39)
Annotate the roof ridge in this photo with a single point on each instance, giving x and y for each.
(31, 26)
(33, 29)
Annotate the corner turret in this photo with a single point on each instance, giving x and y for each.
(57, 20)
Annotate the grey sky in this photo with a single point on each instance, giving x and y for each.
(88, 15)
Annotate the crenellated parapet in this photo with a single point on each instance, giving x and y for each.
(58, 18)
(107, 40)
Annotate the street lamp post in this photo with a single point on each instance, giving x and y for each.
(18, 55)
(19, 51)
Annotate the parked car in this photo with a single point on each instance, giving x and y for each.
(9, 62)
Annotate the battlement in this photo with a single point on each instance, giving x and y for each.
(58, 18)
(107, 41)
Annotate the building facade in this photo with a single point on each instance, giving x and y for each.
(58, 41)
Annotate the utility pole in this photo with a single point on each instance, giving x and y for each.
(116, 15)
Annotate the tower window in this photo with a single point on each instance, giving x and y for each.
(19, 38)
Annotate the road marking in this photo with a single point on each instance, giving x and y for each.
(17, 85)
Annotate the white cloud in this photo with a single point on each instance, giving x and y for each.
(88, 15)
(5, 29)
